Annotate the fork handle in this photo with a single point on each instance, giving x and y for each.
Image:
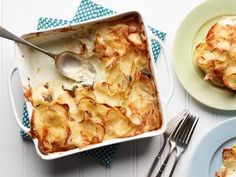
(163, 166)
(156, 160)
(177, 157)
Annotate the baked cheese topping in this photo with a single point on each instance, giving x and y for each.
(229, 167)
(216, 55)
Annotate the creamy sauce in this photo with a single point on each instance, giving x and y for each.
(82, 74)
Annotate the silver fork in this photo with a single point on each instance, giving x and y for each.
(182, 144)
(180, 133)
(166, 137)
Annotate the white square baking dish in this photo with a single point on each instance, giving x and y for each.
(30, 68)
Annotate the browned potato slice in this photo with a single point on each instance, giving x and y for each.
(152, 117)
(138, 67)
(141, 94)
(93, 111)
(206, 57)
(230, 77)
(229, 167)
(119, 84)
(212, 62)
(75, 138)
(232, 53)
(229, 154)
(91, 132)
(49, 125)
(219, 37)
(217, 53)
(112, 41)
(104, 95)
(118, 78)
(75, 114)
(125, 64)
(135, 118)
(83, 92)
(85, 133)
(135, 38)
(118, 125)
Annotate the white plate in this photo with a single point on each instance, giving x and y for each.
(207, 158)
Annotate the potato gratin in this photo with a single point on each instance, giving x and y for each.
(123, 103)
(229, 167)
(216, 55)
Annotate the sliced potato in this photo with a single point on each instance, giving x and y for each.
(83, 92)
(118, 125)
(104, 95)
(117, 81)
(206, 57)
(212, 62)
(75, 114)
(112, 41)
(229, 167)
(219, 37)
(152, 117)
(93, 111)
(49, 125)
(232, 53)
(137, 40)
(141, 94)
(85, 133)
(91, 132)
(230, 77)
(125, 64)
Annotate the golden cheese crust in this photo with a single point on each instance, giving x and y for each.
(229, 167)
(125, 104)
(216, 55)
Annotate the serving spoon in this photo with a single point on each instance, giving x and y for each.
(68, 63)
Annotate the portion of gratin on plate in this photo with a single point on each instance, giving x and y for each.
(122, 102)
(216, 54)
(229, 167)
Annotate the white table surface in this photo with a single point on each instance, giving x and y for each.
(18, 158)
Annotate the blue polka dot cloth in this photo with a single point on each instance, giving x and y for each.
(88, 10)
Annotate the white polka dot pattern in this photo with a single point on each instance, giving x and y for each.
(90, 10)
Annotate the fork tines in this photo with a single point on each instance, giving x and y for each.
(179, 140)
(182, 138)
(184, 132)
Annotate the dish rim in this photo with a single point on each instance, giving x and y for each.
(105, 142)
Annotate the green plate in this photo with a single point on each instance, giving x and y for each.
(193, 30)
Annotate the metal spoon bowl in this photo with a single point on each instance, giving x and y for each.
(68, 63)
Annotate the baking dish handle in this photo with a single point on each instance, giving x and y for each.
(171, 88)
(12, 71)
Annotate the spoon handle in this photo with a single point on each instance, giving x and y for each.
(8, 35)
